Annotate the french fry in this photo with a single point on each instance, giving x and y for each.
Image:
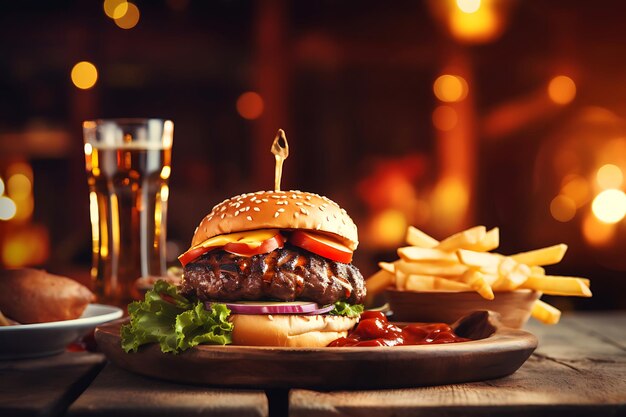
(511, 275)
(387, 266)
(377, 283)
(545, 313)
(432, 283)
(475, 259)
(490, 242)
(415, 237)
(464, 262)
(417, 254)
(478, 283)
(545, 256)
(463, 240)
(537, 271)
(558, 285)
(429, 268)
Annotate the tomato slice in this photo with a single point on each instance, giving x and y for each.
(248, 247)
(193, 253)
(254, 238)
(321, 245)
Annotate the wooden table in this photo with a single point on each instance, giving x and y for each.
(579, 369)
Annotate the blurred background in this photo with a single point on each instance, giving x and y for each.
(441, 114)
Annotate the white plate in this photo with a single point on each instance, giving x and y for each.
(41, 339)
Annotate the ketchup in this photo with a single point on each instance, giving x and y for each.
(375, 330)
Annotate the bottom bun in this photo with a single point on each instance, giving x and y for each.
(289, 330)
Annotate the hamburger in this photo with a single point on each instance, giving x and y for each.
(281, 262)
(271, 268)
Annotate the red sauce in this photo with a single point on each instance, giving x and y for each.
(375, 330)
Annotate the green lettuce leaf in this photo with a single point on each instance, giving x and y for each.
(175, 323)
(342, 308)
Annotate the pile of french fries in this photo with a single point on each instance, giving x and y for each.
(463, 262)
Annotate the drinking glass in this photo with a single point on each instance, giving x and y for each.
(128, 164)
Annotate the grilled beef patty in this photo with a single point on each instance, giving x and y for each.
(285, 274)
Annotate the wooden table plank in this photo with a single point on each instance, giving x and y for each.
(45, 386)
(579, 369)
(121, 393)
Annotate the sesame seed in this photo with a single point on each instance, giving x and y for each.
(256, 209)
(298, 204)
(276, 214)
(260, 192)
(321, 208)
(309, 204)
(327, 218)
(308, 197)
(281, 210)
(295, 214)
(222, 208)
(253, 198)
(247, 208)
(222, 215)
(265, 200)
(237, 213)
(303, 210)
(294, 196)
(319, 226)
(249, 218)
(275, 196)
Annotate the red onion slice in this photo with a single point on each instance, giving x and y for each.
(262, 307)
(322, 310)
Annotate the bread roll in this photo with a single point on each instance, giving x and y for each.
(289, 330)
(34, 296)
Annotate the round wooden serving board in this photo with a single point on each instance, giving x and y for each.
(499, 351)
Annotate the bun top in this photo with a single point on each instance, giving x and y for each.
(278, 210)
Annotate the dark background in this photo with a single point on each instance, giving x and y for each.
(352, 84)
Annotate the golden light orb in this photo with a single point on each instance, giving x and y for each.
(609, 176)
(130, 18)
(562, 208)
(445, 118)
(84, 75)
(609, 206)
(562, 89)
(450, 88)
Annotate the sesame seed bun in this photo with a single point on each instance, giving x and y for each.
(278, 210)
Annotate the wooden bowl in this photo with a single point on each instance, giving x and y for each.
(514, 307)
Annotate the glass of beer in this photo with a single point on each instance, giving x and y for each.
(128, 164)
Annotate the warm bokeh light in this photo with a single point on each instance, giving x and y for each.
(129, 19)
(577, 188)
(388, 228)
(562, 208)
(609, 206)
(595, 232)
(84, 75)
(115, 8)
(609, 176)
(1, 186)
(562, 89)
(450, 88)
(166, 171)
(19, 186)
(250, 105)
(28, 246)
(449, 201)
(445, 118)
(468, 6)
(7, 208)
(481, 25)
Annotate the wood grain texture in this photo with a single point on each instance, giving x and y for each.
(500, 354)
(116, 392)
(579, 369)
(45, 386)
